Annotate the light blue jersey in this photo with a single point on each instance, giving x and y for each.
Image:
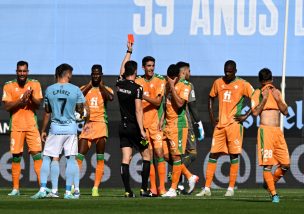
(62, 100)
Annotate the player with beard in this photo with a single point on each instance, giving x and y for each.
(22, 98)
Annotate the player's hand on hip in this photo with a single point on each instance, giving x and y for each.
(240, 118)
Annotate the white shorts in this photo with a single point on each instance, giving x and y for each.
(55, 143)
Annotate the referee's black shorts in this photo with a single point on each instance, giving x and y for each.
(130, 136)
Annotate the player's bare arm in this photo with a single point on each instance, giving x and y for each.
(45, 122)
(175, 98)
(127, 58)
(241, 118)
(109, 96)
(211, 111)
(14, 105)
(154, 101)
(85, 89)
(259, 108)
(278, 98)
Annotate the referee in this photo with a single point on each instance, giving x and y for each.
(131, 131)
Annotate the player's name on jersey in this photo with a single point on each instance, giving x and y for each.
(61, 91)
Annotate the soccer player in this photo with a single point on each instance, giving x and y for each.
(272, 150)
(176, 128)
(153, 90)
(96, 129)
(192, 115)
(228, 132)
(21, 98)
(131, 130)
(60, 102)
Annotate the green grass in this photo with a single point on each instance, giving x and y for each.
(245, 201)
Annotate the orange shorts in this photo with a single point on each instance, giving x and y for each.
(32, 138)
(228, 139)
(154, 136)
(272, 147)
(177, 138)
(94, 130)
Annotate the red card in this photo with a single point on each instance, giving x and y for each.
(131, 38)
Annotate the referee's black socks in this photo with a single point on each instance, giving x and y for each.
(145, 174)
(125, 175)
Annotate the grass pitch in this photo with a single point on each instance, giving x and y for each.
(245, 201)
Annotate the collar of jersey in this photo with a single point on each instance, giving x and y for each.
(236, 78)
(143, 76)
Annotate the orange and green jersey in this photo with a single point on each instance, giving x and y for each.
(23, 118)
(97, 104)
(151, 88)
(231, 97)
(176, 117)
(257, 97)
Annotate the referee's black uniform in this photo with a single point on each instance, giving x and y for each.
(129, 132)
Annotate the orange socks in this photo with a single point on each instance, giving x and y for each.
(161, 169)
(176, 173)
(234, 169)
(16, 171)
(211, 167)
(269, 181)
(186, 172)
(99, 169)
(79, 159)
(152, 178)
(37, 165)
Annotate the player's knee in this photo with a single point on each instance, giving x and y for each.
(267, 168)
(146, 156)
(158, 153)
(234, 156)
(80, 156)
(16, 159)
(166, 157)
(285, 167)
(126, 159)
(36, 156)
(214, 156)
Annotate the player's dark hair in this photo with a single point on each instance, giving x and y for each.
(230, 63)
(22, 63)
(265, 75)
(130, 68)
(172, 71)
(62, 69)
(147, 59)
(98, 67)
(181, 64)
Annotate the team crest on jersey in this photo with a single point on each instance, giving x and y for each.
(158, 137)
(236, 87)
(227, 96)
